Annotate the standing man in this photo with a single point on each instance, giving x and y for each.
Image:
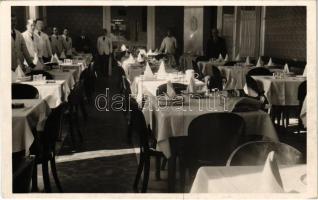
(104, 48)
(67, 43)
(19, 51)
(82, 43)
(169, 47)
(32, 40)
(56, 42)
(45, 51)
(215, 45)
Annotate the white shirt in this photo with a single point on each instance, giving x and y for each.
(104, 45)
(67, 45)
(44, 44)
(169, 45)
(32, 45)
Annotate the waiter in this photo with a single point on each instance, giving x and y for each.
(56, 42)
(19, 51)
(104, 49)
(67, 44)
(215, 45)
(169, 46)
(45, 50)
(31, 39)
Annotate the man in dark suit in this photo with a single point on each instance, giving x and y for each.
(215, 45)
(82, 43)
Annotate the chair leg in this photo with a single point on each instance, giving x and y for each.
(146, 175)
(35, 179)
(77, 125)
(164, 163)
(171, 173)
(54, 173)
(71, 130)
(139, 171)
(46, 178)
(182, 173)
(158, 162)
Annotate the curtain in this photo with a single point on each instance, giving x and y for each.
(247, 33)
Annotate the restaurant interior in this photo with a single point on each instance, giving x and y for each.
(160, 99)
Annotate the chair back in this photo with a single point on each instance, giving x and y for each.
(302, 92)
(77, 94)
(252, 84)
(52, 129)
(256, 152)
(24, 91)
(178, 87)
(216, 79)
(212, 137)
(259, 71)
(45, 73)
(139, 126)
(22, 175)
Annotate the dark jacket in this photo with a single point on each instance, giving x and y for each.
(82, 44)
(215, 48)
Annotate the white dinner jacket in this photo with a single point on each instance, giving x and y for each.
(44, 44)
(67, 45)
(57, 44)
(104, 45)
(32, 45)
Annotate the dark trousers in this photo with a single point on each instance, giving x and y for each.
(104, 62)
(46, 59)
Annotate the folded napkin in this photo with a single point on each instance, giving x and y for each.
(139, 58)
(162, 69)
(19, 72)
(148, 72)
(170, 91)
(305, 71)
(131, 58)
(270, 180)
(220, 57)
(142, 52)
(243, 104)
(286, 68)
(54, 59)
(123, 47)
(270, 62)
(62, 55)
(191, 87)
(226, 58)
(247, 61)
(238, 57)
(259, 62)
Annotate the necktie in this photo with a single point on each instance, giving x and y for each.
(57, 37)
(39, 32)
(104, 38)
(32, 37)
(50, 38)
(67, 39)
(13, 34)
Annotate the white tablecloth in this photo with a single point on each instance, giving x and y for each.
(53, 93)
(235, 75)
(303, 113)
(141, 86)
(33, 115)
(245, 179)
(281, 92)
(170, 122)
(71, 76)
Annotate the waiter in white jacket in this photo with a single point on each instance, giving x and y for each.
(45, 51)
(19, 51)
(105, 49)
(32, 40)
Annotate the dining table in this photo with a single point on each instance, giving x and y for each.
(32, 116)
(170, 123)
(280, 91)
(246, 179)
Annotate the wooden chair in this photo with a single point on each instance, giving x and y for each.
(211, 139)
(22, 175)
(146, 151)
(24, 91)
(259, 71)
(47, 140)
(255, 153)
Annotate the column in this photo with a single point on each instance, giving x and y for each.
(219, 23)
(33, 12)
(151, 21)
(107, 18)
